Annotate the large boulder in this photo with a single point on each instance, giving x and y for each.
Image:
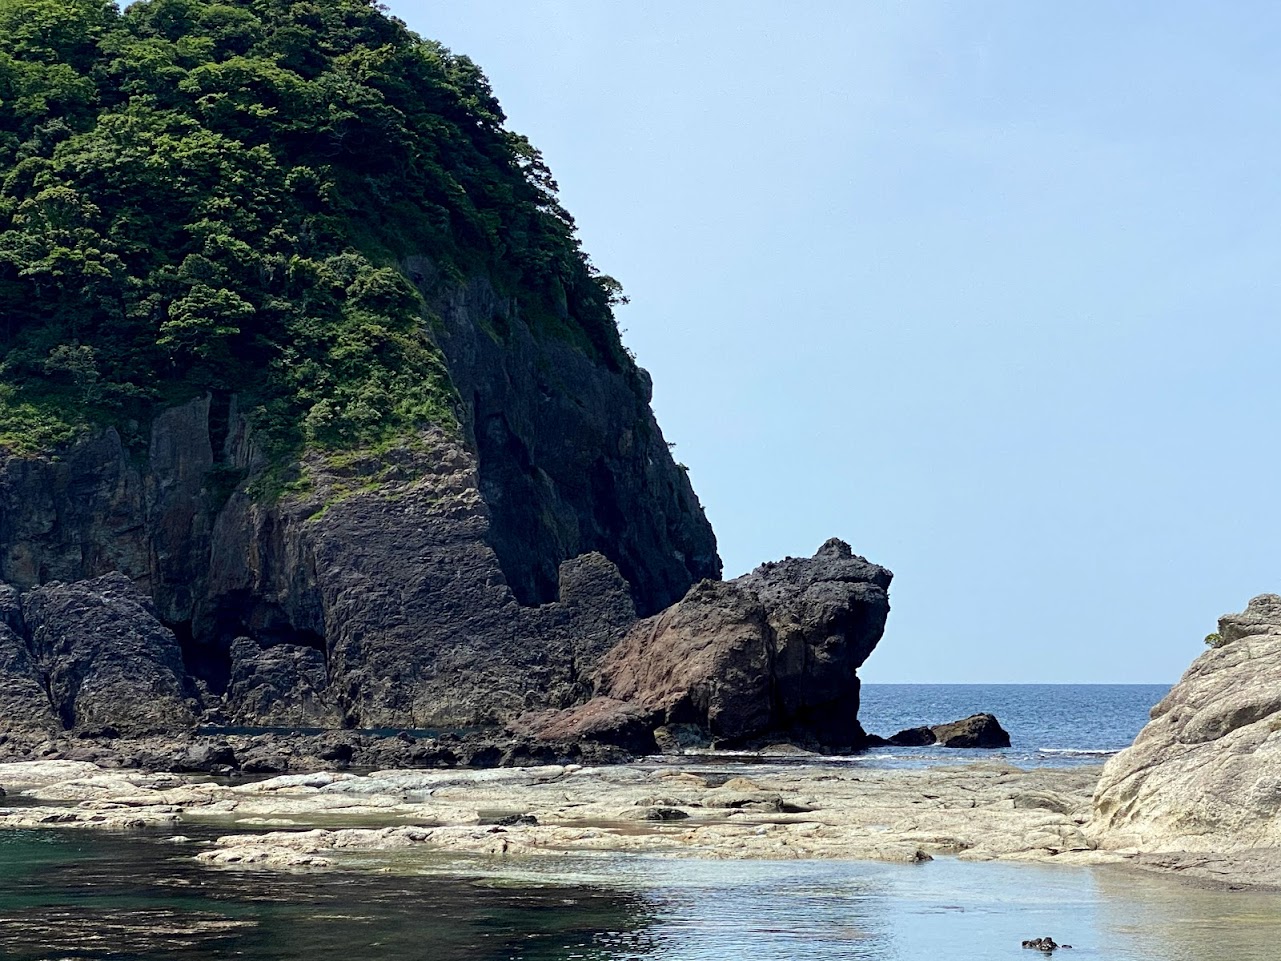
(977, 730)
(1204, 775)
(104, 657)
(775, 651)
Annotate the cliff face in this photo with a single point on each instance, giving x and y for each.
(570, 459)
(451, 581)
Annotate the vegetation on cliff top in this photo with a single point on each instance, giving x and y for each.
(213, 196)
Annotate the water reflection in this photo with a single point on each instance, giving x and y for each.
(1185, 922)
(96, 896)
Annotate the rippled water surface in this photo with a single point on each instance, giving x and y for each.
(101, 896)
(1049, 724)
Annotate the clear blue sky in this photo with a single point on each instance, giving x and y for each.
(988, 289)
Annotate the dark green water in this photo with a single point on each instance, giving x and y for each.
(90, 895)
(82, 895)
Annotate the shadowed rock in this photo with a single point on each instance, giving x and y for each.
(24, 703)
(104, 657)
(977, 730)
(287, 684)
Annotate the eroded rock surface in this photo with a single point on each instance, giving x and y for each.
(457, 579)
(101, 657)
(977, 812)
(774, 651)
(1204, 776)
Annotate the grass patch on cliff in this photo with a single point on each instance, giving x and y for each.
(215, 196)
(29, 427)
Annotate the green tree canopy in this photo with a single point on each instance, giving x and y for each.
(203, 195)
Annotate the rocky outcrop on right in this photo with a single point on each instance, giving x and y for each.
(772, 652)
(1204, 776)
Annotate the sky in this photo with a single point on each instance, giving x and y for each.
(987, 289)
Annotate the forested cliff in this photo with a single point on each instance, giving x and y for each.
(295, 334)
(313, 412)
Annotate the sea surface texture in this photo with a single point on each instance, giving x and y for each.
(1049, 724)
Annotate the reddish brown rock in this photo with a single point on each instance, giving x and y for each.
(774, 651)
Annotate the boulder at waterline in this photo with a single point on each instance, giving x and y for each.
(774, 651)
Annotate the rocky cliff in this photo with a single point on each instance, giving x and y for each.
(1202, 781)
(314, 412)
(453, 580)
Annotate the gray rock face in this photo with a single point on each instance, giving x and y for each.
(24, 702)
(570, 458)
(455, 581)
(282, 685)
(774, 651)
(103, 658)
(1205, 774)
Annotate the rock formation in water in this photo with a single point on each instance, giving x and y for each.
(774, 651)
(1204, 776)
(977, 730)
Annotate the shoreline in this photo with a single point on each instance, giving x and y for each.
(680, 808)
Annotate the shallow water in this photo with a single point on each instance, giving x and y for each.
(116, 896)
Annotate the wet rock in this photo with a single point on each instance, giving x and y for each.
(1047, 945)
(913, 737)
(655, 814)
(207, 758)
(977, 730)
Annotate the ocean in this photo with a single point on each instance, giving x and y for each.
(1053, 725)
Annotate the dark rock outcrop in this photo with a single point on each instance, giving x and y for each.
(975, 731)
(24, 702)
(93, 654)
(570, 460)
(774, 651)
(913, 737)
(461, 579)
(456, 580)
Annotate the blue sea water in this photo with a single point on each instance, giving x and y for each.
(1049, 724)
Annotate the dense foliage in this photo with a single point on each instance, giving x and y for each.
(213, 196)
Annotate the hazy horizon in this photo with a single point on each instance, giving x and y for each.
(985, 290)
